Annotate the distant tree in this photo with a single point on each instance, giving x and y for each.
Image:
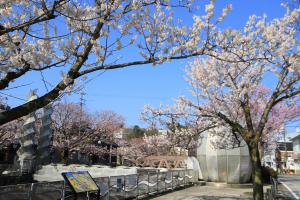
(72, 128)
(108, 123)
(183, 127)
(75, 129)
(152, 132)
(137, 132)
(138, 148)
(9, 132)
(280, 115)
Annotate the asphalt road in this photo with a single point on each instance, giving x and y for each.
(291, 184)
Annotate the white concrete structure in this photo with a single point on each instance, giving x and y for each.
(192, 163)
(53, 172)
(229, 165)
(45, 136)
(26, 152)
(296, 149)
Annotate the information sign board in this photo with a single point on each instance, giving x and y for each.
(80, 181)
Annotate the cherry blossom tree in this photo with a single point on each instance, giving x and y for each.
(279, 116)
(136, 149)
(248, 85)
(142, 142)
(78, 130)
(182, 124)
(9, 131)
(81, 38)
(226, 84)
(133, 150)
(108, 123)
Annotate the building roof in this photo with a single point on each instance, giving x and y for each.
(285, 146)
(296, 137)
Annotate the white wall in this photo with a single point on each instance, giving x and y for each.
(296, 145)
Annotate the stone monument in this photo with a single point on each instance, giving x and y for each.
(27, 151)
(45, 136)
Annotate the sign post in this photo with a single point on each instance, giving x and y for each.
(81, 182)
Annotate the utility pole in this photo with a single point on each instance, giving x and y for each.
(81, 103)
(286, 155)
(82, 100)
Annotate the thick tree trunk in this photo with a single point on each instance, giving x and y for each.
(65, 156)
(257, 178)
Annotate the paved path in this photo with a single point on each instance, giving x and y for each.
(207, 193)
(290, 185)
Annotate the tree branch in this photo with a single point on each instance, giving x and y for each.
(10, 76)
(4, 82)
(42, 101)
(142, 62)
(47, 15)
(247, 112)
(270, 104)
(287, 96)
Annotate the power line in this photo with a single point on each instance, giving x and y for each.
(130, 96)
(18, 86)
(12, 96)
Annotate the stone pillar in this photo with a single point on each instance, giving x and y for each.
(27, 151)
(45, 136)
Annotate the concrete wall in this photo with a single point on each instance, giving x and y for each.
(296, 145)
(53, 172)
(192, 163)
(297, 167)
(230, 165)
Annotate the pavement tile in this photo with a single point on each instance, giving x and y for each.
(207, 193)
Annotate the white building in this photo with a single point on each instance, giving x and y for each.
(281, 155)
(296, 155)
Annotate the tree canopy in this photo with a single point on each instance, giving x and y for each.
(80, 38)
(249, 85)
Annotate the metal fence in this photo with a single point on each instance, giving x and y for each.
(131, 186)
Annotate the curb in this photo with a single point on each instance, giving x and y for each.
(226, 185)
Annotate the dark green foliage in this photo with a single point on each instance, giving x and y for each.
(137, 132)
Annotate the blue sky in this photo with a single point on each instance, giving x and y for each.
(127, 90)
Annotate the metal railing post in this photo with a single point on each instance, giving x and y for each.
(30, 191)
(157, 177)
(148, 183)
(137, 186)
(108, 192)
(88, 196)
(274, 184)
(184, 177)
(165, 181)
(124, 187)
(63, 194)
(172, 179)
